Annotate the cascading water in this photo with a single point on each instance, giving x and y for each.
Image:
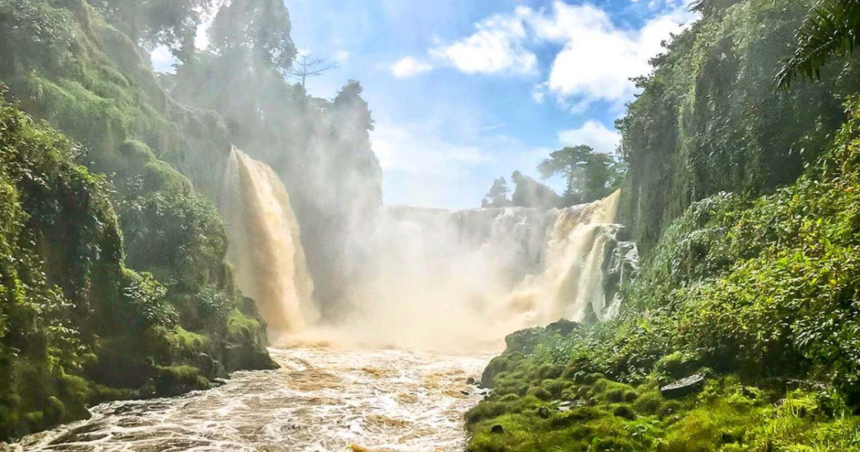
(571, 284)
(265, 245)
(465, 279)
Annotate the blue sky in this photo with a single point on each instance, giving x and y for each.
(466, 91)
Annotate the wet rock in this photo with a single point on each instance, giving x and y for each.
(497, 429)
(562, 327)
(209, 366)
(470, 381)
(465, 393)
(683, 387)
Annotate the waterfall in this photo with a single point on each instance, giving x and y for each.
(571, 284)
(265, 246)
(431, 277)
(446, 278)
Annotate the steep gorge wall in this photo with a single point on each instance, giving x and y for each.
(709, 119)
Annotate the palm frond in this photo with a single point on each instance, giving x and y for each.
(831, 29)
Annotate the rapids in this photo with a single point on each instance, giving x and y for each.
(321, 399)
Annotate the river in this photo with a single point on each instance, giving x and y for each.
(321, 399)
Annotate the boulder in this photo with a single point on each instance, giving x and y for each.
(562, 327)
(683, 387)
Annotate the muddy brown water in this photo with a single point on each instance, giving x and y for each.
(320, 399)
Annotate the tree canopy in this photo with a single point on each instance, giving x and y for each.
(590, 175)
(531, 193)
(498, 196)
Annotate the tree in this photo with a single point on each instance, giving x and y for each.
(831, 29)
(590, 175)
(498, 195)
(310, 66)
(531, 193)
(152, 23)
(260, 28)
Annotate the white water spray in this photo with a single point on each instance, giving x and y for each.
(434, 279)
(456, 280)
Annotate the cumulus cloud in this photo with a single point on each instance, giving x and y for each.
(599, 58)
(410, 67)
(497, 46)
(593, 134)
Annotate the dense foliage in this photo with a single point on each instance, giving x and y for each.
(709, 120)
(760, 295)
(831, 29)
(115, 285)
(76, 325)
(589, 175)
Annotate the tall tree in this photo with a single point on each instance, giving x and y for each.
(589, 175)
(309, 66)
(151, 23)
(531, 193)
(260, 28)
(498, 195)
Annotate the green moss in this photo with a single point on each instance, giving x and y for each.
(649, 402)
(186, 340)
(556, 386)
(173, 380)
(239, 325)
(540, 393)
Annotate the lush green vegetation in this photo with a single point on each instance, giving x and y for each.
(709, 119)
(114, 285)
(745, 202)
(760, 295)
(77, 326)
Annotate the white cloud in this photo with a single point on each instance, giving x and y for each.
(425, 167)
(410, 67)
(593, 134)
(498, 46)
(598, 58)
(414, 150)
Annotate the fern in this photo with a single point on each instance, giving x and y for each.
(832, 28)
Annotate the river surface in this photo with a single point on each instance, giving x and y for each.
(320, 400)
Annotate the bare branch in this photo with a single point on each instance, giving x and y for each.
(310, 66)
